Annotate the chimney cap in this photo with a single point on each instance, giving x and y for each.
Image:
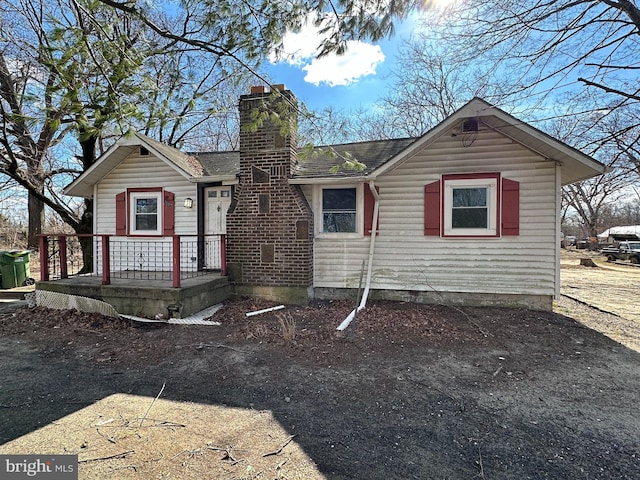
(258, 89)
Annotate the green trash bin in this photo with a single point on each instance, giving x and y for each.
(14, 268)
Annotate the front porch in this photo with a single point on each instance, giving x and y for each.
(168, 276)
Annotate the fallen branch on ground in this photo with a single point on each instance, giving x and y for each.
(13, 405)
(227, 453)
(276, 452)
(154, 401)
(192, 453)
(109, 457)
(160, 423)
(212, 345)
(481, 466)
(108, 438)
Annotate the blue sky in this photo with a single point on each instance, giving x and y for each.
(355, 79)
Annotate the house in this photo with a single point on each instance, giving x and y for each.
(466, 214)
(623, 232)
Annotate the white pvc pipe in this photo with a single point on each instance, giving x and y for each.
(258, 312)
(374, 230)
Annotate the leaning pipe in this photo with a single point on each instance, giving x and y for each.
(374, 230)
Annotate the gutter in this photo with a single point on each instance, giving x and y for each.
(374, 230)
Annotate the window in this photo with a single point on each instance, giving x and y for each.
(339, 208)
(472, 205)
(145, 213)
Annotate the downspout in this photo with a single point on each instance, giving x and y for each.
(374, 230)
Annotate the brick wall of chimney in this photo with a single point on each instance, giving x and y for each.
(270, 223)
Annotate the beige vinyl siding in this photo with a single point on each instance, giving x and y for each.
(145, 172)
(406, 259)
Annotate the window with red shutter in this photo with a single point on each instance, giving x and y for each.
(145, 211)
(472, 205)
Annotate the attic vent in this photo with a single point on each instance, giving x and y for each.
(144, 152)
(469, 125)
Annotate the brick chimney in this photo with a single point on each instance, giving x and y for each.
(270, 223)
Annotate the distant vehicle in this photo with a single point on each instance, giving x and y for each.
(569, 240)
(624, 251)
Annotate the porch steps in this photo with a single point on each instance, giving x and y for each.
(144, 298)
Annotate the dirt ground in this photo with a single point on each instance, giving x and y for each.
(414, 391)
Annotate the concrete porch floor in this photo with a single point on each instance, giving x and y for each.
(146, 295)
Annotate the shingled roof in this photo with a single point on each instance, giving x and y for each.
(221, 164)
(321, 162)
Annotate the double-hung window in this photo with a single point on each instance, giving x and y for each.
(339, 210)
(470, 205)
(146, 213)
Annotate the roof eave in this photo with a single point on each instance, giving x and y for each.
(83, 185)
(480, 108)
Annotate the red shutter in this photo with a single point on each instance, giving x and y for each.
(510, 207)
(121, 213)
(169, 213)
(432, 208)
(369, 204)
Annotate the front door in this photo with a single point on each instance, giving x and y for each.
(217, 203)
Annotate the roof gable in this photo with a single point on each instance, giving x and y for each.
(183, 164)
(576, 166)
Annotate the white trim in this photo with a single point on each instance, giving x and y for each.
(318, 213)
(132, 212)
(558, 229)
(491, 184)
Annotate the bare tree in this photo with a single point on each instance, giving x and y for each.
(589, 48)
(80, 68)
(429, 84)
(591, 199)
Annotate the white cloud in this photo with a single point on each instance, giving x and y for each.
(359, 60)
(300, 50)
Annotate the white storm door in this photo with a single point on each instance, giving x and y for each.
(217, 203)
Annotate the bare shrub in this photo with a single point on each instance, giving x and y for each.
(287, 326)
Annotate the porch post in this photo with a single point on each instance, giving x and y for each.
(43, 242)
(223, 254)
(176, 262)
(62, 244)
(106, 260)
